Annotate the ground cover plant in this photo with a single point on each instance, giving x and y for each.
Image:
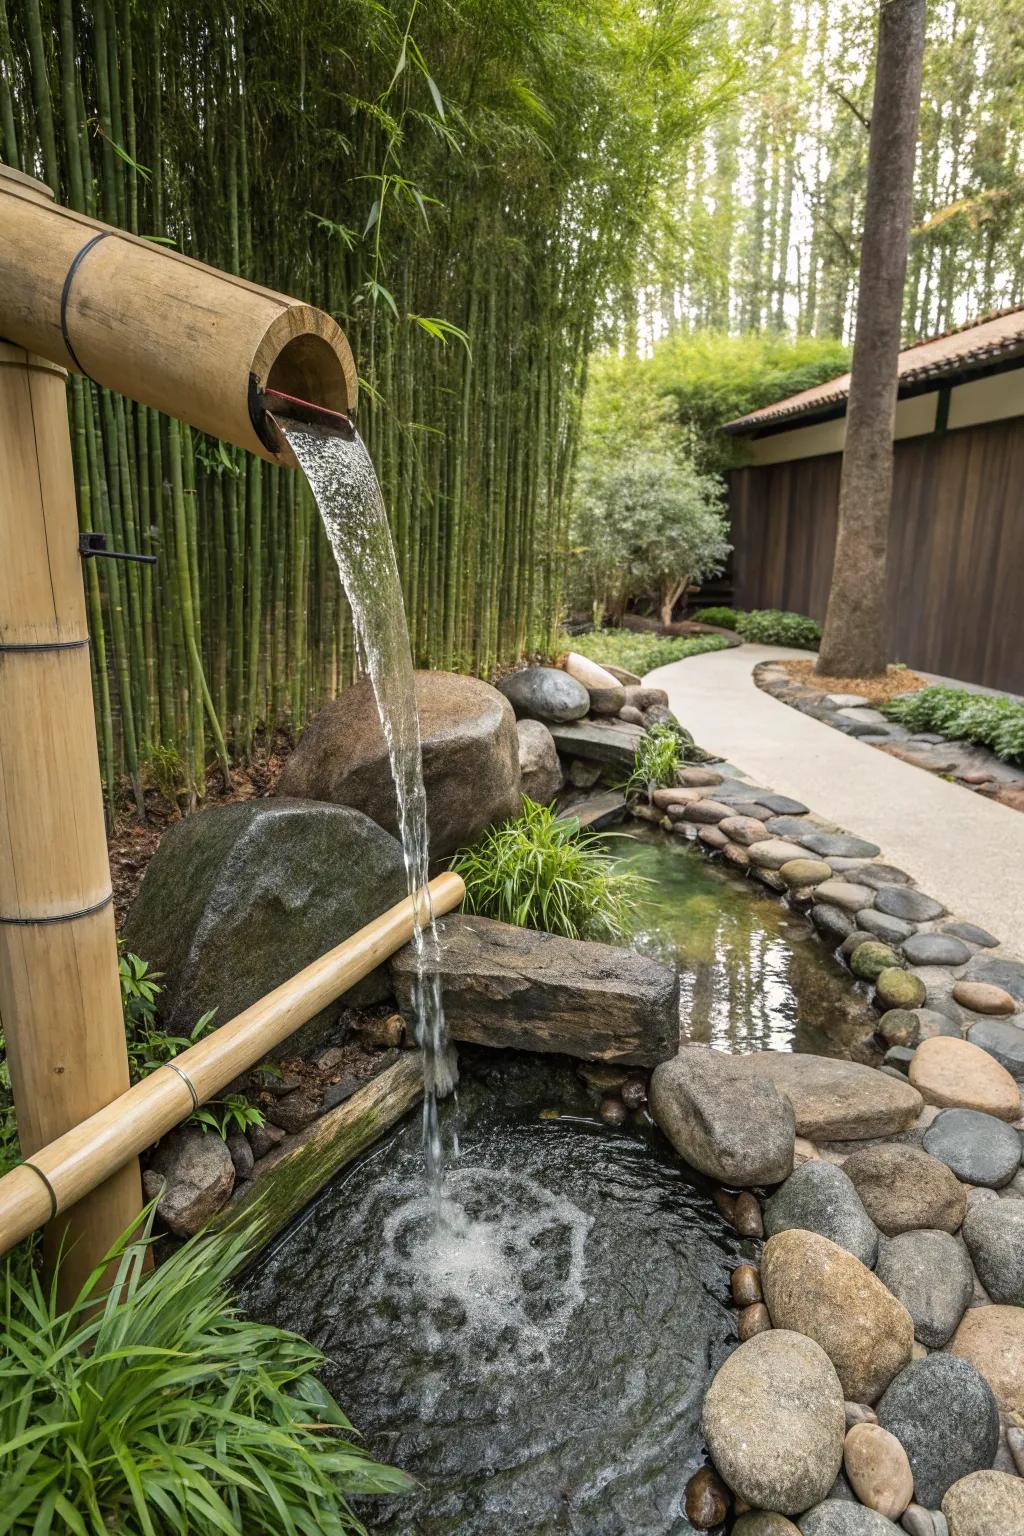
(540, 871)
(772, 626)
(166, 1412)
(723, 618)
(638, 651)
(959, 715)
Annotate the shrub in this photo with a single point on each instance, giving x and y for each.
(770, 626)
(167, 1412)
(640, 651)
(539, 871)
(657, 760)
(725, 618)
(959, 715)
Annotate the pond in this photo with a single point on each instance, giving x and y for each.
(753, 974)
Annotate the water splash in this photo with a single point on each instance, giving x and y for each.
(348, 496)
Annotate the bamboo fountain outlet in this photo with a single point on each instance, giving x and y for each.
(219, 353)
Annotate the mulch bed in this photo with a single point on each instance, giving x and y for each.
(879, 690)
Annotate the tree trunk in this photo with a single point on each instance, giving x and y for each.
(854, 643)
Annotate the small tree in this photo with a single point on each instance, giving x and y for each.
(648, 524)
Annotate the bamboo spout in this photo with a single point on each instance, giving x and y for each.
(157, 326)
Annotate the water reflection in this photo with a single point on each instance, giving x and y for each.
(753, 976)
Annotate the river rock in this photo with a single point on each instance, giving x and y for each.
(775, 853)
(935, 949)
(638, 694)
(877, 1469)
(607, 694)
(738, 1131)
(820, 1198)
(872, 958)
(540, 772)
(698, 777)
(192, 1173)
(930, 1273)
(877, 875)
(896, 988)
(903, 1188)
(957, 1074)
(985, 1504)
(837, 1518)
(763, 1523)
(992, 1340)
(836, 1100)
(239, 897)
(773, 1421)
(910, 905)
(837, 845)
(738, 857)
(815, 1287)
(712, 838)
(978, 1148)
(935, 1021)
(891, 930)
(470, 758)
(707, 1499)
(1008, 974)
(707, 812)
(744, 830)
(983, 997)
(745, 1285)
(943, 1413)
(513, 988)
(832, 923)
(899, 1026)
(844, 894)
(801, 872)
(1003, 1042)
(994, 1234)
(546, 693)
(674, 794)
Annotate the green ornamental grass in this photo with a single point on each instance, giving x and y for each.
(657, 760)
(640, 651)
(539, 871)
(167, 1412)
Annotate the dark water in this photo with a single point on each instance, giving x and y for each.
(540, 1363)
(753, 974)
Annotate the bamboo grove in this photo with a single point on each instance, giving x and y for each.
(463, 187)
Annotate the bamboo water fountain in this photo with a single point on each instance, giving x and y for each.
(217, 352)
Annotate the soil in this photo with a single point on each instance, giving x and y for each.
(879, 690)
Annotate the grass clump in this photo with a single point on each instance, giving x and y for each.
(958, 715)
(723, 618)
(770, 626)
(657, 759)
(539, 871)
(166, 1412)
(640, 651)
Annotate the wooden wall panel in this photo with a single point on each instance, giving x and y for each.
(956, 557)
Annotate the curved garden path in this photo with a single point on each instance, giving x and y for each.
(965, 850)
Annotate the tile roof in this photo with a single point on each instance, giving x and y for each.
(994, 338)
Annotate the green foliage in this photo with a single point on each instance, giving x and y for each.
(723, 618)
(539, 871)
(770, 626)
(165, 767)
(957, 714)
(656, 761)
(165, 1413)
(10, 1148)
(638, 650)
(233, 1113)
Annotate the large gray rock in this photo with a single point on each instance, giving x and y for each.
(239, 897)
(838, 845)
(985, 1504)
(190, 1175)
(540, 772)
(931, 1274)
(774, 1422)
(837, 1518)
(904, 1188)
(470, 758)
(613, 745)
(979, 1148)
(1008, 974)
(943, 1413)
(890, 929)
(518, 989)
(545, 693)
(836, 1100)
(912, 906)
(936, 949)
(1003, 1041)
(732, 1129)
(994, 1233)
(819, 1197)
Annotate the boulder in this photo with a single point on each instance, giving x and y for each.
(607, 694)
(903, 1189)
(470, 758)
(994, 1234)
(896, 988)
(978, 1148)
(774, 1423)
(957, 1074)
(737, 1131)
(190, 1175)
(985, 1504)
(816, 1288)
(992, 1340)
(819, 1197)
(837, 1518)
(540, 772)
(836, 1100)
(943, 1413)
(930, 1273)
(239, 897)
(983, 997)
(871, 959)
(517, 989)
(935, 949)
(1007, 974)
(545, 693)
(611, 745)
(1003, 1042)
(910, 905)
(844, 894)
(877, 1469)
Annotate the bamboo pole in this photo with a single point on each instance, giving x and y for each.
(60, 1000)
(77, 1161)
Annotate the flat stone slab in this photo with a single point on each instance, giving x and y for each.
(791, 826)
(838, 844)
(912, 906)
(971, 934)
(513, 988)
(614, 745)
(1003, 1041)
(837, 1100)
(862, 714)
(782, 805)
(936, 949)
(602, 809)
(877, 875)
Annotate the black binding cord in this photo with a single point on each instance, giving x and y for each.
(66, 294)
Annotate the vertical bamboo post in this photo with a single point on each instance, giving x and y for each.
(60, 1003)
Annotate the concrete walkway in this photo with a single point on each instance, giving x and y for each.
(965, 850)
